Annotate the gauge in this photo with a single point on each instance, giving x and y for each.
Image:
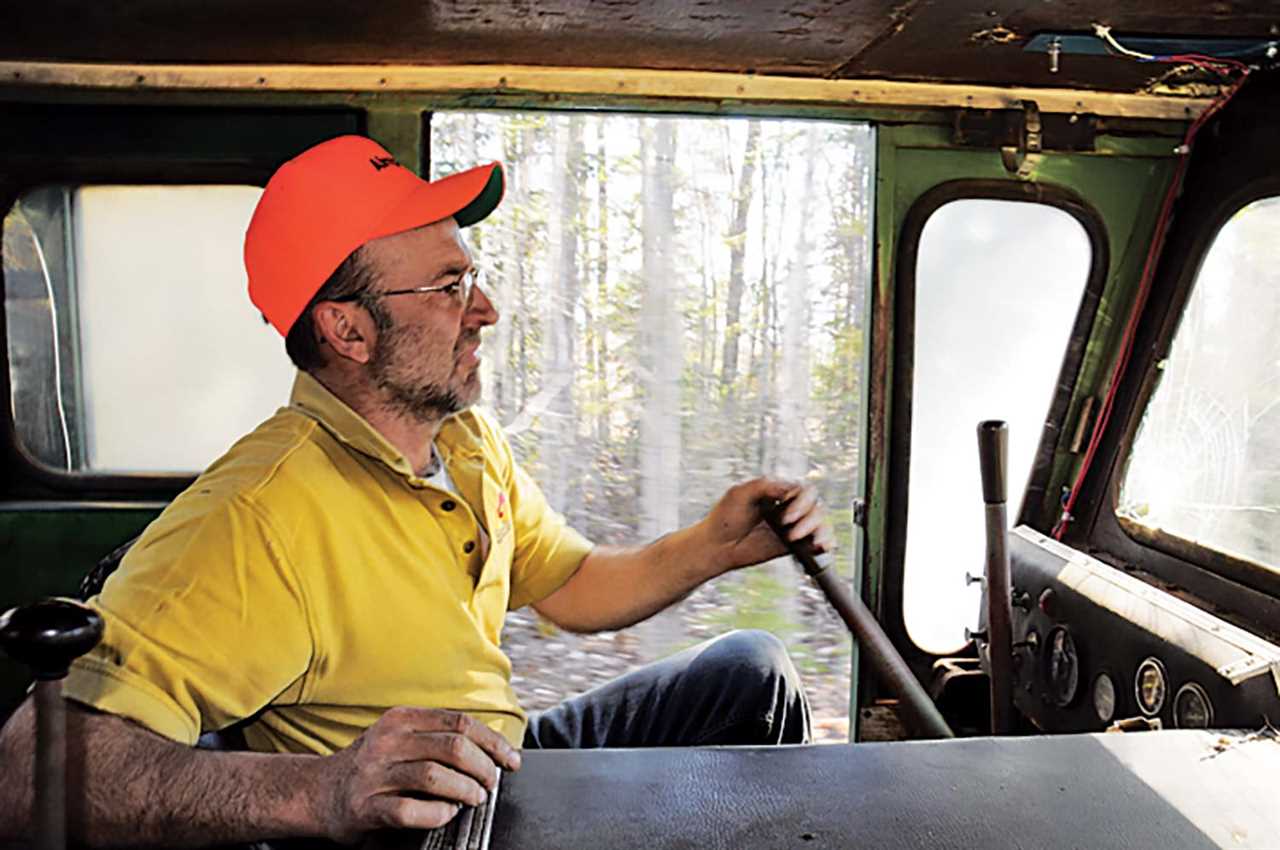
(1063, 668)
(1104, 697)
(1150, 686)
(1191, 708)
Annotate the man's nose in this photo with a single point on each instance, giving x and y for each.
(481, 311)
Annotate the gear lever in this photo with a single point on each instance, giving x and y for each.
(47, 636)
(921, 715)
(993, 461)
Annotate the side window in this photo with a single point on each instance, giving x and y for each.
(1205, 466)
(682, 307)
(132, 344)
(998, 287)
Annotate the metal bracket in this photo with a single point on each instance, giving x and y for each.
(1022, 158)
(859, 512)
(1021, 133)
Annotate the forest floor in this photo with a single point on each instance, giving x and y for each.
(550, 665)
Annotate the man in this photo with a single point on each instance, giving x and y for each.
(335, 585)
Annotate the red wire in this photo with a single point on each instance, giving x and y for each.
(1144, 287)
(1203, 61)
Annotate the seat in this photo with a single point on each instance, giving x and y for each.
(91, 584)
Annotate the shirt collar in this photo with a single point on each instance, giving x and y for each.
(313, 399)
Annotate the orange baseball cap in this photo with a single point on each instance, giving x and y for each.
(326, 202)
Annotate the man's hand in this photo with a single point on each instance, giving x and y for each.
(618, 586)
(414, 769)
(736, 524)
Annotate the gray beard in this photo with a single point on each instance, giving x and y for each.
(430, 403)
(427, 403)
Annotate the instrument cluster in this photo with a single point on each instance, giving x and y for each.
(1094, 646)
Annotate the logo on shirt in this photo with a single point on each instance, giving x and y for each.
(381, 162)
(504, 524)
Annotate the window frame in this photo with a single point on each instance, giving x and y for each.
(158, 154)
(902, 391)
(93, 484)
(1253, 589)
(1232, 164)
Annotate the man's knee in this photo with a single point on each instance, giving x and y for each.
(752, 654)
(766, 698)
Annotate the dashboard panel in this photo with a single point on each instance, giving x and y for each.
(1094, 645)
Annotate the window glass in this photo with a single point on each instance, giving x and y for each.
(682, 308)
(1205, 465)
(998, 287)
(133, 346)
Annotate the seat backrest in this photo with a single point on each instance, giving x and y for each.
(91, 584)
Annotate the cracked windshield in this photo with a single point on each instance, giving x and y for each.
(682, 307)
(1204, 465)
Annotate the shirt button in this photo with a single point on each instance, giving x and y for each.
(448, 505)
(469, 546)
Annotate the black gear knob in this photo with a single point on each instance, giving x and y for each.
(48, 635)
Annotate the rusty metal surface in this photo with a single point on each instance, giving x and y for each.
(978, 41)
(805, 37)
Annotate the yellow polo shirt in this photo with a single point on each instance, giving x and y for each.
(311, 576)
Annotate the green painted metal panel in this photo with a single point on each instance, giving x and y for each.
(1124, 180)
(1126, 191)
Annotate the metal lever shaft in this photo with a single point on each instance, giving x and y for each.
(47, 636)
(993, 455)
(921, 716)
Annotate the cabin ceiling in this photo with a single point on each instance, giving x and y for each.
(961, 41)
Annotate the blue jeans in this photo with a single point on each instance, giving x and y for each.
(740, 688)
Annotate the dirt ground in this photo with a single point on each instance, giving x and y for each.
(549, 665)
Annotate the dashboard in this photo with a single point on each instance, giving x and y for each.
(1093, 645)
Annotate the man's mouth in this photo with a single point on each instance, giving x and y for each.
(467, 351)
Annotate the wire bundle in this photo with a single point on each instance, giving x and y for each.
(1223, 65)
(1234, 72)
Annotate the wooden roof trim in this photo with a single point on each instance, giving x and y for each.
(626, 82)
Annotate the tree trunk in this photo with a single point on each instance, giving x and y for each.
(523, 387)
(558, 425)
(601, 328)
(793, 457)
(505, 278)
(660, 326)
(793, 411)
(737, 239)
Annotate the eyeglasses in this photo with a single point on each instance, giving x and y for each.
(459, 289)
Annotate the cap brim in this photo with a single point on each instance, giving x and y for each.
(485, 202)
(467, 197)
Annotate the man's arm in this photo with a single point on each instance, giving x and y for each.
(127, 785)
(615, 586)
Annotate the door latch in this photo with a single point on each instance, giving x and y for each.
(1022, 158)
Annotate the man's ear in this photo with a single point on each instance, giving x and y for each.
(346, 328)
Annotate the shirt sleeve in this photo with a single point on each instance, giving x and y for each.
(548, 552)
(205, 624)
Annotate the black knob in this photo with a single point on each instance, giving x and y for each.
(48, 635)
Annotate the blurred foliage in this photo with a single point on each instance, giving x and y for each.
(764, 218)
